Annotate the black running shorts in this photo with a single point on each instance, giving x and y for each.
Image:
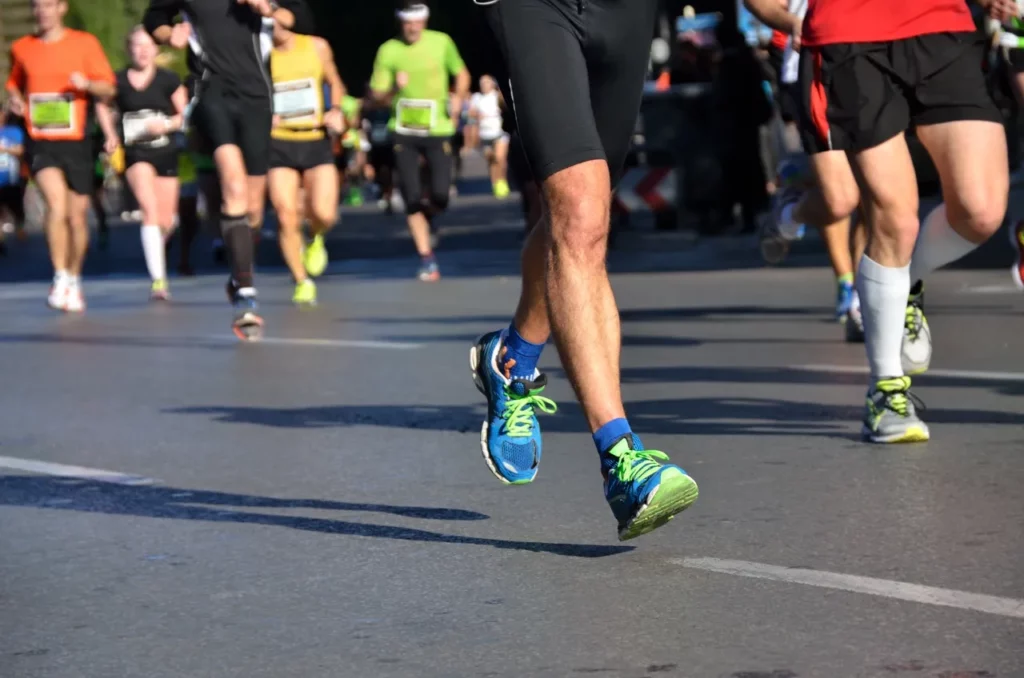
(164, 160)
(300, 155)
(576, 74)
(857, 96)
(74, 158)
(225, 119)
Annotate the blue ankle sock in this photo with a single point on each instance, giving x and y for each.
(610, 433)
(523, 353)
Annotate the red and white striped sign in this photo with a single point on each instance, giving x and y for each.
(646, 189)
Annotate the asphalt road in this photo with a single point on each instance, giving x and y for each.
(316, 505)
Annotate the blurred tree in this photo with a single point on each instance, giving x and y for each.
(108, 20)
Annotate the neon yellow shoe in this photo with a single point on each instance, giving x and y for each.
(890, 415)
(305, 293)
(314, 258)
(159, 291)
(501, 190)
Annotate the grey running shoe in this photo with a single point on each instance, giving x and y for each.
(890, 415)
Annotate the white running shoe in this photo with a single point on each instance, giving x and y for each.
(58, 297)
(75, 300)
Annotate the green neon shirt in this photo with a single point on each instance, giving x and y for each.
(421, 107)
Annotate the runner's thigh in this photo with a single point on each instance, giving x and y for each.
(541, 43)
(619, 35)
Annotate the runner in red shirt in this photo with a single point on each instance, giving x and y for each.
(869, 71)
(54, 74)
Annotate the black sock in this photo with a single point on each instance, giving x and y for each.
(238, 242)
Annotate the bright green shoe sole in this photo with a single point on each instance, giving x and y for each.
(676, 493)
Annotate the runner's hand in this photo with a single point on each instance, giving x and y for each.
(334, 121)
(401, 79)
(16, 105)
(111, 144)
(261, 7)
(79, 82)
(796, 31)
(275, 121)
(180, 35)
(1003, 10)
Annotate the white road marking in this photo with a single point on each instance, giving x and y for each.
(914, 593)
(330, 343)
(976, 375)
(68, 471)
(992, 289)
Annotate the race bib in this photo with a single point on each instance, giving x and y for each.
(136, 129)
(297, 102)
(415, 116)
(52, 112)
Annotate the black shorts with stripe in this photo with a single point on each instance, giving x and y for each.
(859, 95)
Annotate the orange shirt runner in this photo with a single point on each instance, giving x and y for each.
(41, 72)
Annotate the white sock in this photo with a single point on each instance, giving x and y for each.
(937, 245)
(61, 277)
(153, 249)
(883, 298)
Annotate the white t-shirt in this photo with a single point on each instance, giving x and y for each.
(791, 57)
(488, 110)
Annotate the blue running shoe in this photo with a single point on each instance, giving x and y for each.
(844, 300)
(642, 492)
(510, 437)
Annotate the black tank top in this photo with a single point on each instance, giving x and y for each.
(137, 106)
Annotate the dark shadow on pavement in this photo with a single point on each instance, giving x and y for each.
(688, 416)
(66, 494)
(784, 375)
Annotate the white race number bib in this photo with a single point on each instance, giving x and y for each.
(415, 117)
(298, 102)
(136, 129)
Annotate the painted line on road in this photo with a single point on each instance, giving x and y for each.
(329, 343)
(992, 289)
(976, 375)
(884, 588)
(69, 471)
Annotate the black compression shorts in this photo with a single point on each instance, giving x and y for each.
(857, 96)
(576, 73)
(223, 119)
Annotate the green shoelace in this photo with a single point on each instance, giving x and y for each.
(519, 411)
(638, 465)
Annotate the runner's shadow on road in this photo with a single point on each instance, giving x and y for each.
(786, 375)
(68, 494)
(725, 416)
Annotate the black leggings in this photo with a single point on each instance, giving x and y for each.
(437, 153)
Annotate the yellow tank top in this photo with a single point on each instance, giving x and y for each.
(298, 77)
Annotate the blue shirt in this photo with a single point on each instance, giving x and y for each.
(10, 166)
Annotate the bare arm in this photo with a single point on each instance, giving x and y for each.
(331, 75)
(101, 90)
(462, 81)
(159, 19)
(105, 118)
(774, 15)
(180, 101)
